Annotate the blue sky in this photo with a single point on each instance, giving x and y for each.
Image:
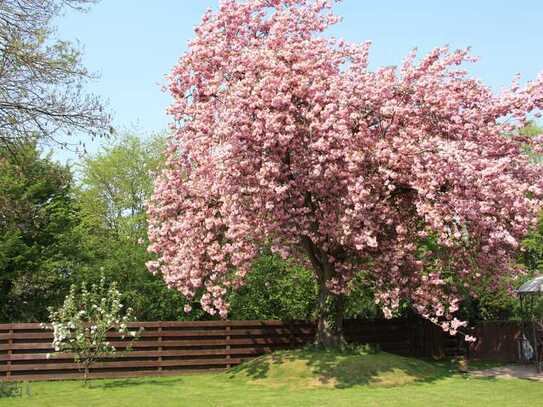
(133, 44)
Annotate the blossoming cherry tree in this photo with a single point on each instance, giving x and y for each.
(414, 177)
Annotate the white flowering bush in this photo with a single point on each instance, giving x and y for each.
(80, 326)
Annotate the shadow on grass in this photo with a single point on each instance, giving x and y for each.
(118, 384)
(340, 370)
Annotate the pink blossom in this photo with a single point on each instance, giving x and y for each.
(286, 138)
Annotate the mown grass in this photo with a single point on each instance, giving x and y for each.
(301, 378)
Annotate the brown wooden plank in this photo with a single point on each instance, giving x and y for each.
(23, 325)
(123, 364)
(6, 327)
(110, 375)
(175, 343)
(238, 332)
(27, 335)
(142, 354)
(221, 323)
(25, 346)
(177, 333)
(173, 324)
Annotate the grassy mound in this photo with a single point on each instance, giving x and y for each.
(316, 368)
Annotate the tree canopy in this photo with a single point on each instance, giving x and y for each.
(285, 137)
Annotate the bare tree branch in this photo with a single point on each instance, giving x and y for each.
(42, 78)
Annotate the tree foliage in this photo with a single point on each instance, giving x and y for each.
(39, 247)
(285, 137)
(116, 183)
(532, 253)
(42, 78)
(275, 289)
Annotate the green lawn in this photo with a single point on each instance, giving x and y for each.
(283, 380)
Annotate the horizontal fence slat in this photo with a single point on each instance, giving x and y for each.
(174, 324)
(172, 343)
(108, 375)
(143, 354)
(123, 365)
(184, 333)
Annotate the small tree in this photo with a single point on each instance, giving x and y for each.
(81, 325)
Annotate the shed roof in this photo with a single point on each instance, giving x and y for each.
(532, 286)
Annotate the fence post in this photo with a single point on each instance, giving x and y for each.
(10, 351)
(228, 365)
(160, 347)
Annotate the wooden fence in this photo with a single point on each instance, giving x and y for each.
(496, 341)
(168, 348)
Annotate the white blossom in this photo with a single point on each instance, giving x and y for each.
(81, 324)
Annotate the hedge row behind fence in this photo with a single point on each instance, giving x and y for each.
(169, 348)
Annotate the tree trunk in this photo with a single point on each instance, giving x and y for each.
(330, 307)
(329, 323)
(86, 374)
(340, 316)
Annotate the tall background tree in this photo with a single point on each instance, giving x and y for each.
(285, 138)
(116, 183)
(39, 245)
(42, 78)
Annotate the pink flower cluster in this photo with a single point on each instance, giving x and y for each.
(411, 175)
